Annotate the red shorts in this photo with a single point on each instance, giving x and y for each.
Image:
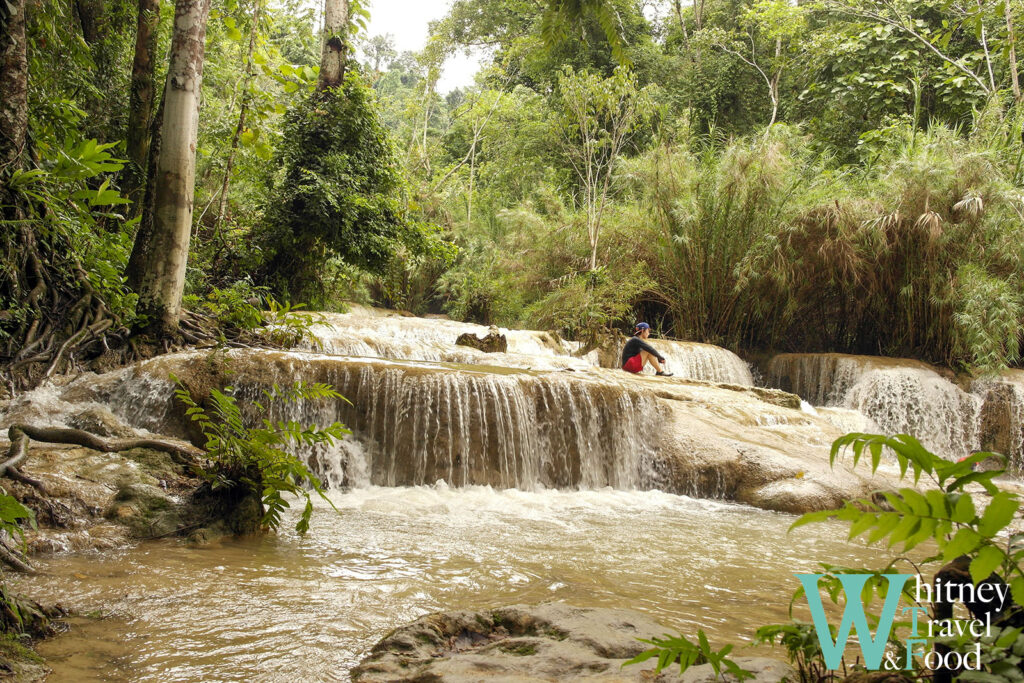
(634, 364)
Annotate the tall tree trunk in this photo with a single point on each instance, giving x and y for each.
(678, 4)
(90, 15)
(140, 104)
(333, 57)
(161, 272)
(1011, 38)
(13, 85)
(223, 203)
(136, 270)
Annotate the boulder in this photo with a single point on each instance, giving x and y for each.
(100, 421)
(494, 342)
(548, 642)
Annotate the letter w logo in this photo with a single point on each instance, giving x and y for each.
(853, 616)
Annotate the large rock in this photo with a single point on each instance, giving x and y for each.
(1002, 418)
(549, 642)
(494, 342)
(91, 500)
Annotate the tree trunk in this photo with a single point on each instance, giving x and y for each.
(136, 268)
(332, 59)
(161, 270)
(13, 85)
(1011, 38)
(240, 127)
(682, 24)
(90, 14)
(140, 107)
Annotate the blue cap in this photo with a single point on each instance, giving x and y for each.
(643, 326)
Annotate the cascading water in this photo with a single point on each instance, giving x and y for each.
(416, 424)
(474, 428)
(898, 396)
(1002, 416)
(372, 333)
(705, 362)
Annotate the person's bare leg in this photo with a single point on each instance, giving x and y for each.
(651, 360)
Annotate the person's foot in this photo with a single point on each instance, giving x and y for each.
(662, 373)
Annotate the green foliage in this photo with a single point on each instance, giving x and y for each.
(247, 308)
(255, 457)
(71, 207)
(13, 515)
(563, 16)
(1002, 653)
(672, 649)
(337, 196)
(478, 291)
(585, 305)
(988, 314)
(238, 306)
(945, 514)
(803, 648)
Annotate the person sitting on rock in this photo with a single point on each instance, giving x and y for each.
(637, 353)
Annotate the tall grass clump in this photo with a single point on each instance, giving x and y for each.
(707, 207)
(921, 258)
(763, 244)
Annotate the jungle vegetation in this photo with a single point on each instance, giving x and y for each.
(819, 175)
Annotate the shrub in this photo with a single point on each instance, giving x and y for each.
(254, 459)
(338, 195)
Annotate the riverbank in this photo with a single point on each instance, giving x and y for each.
(471, 480)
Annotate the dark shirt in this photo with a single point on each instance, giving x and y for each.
(635, 345)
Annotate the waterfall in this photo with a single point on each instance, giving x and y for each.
(705, 362)
(420, 423)
(898, 396)
(1002, 416)
(372, 333)
(499, 430)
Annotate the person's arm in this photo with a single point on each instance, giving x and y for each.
(651, 350)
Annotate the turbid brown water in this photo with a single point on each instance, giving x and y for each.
(285, 608)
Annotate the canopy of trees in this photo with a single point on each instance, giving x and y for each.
(824, 175)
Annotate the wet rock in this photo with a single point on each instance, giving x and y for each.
(765, 670)
(776, 397)
(92, 500)
(1002, 428)
(548, 642)
(101, 421)
(226, 511)
(493, 342)
(147, 510)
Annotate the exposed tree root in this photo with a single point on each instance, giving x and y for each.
(20, 435)
(15, 559)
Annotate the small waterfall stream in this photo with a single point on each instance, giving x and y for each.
(896, 396)
(470, 428)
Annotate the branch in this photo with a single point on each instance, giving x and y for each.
(868, 14)
(20, 435)
(476, 137)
